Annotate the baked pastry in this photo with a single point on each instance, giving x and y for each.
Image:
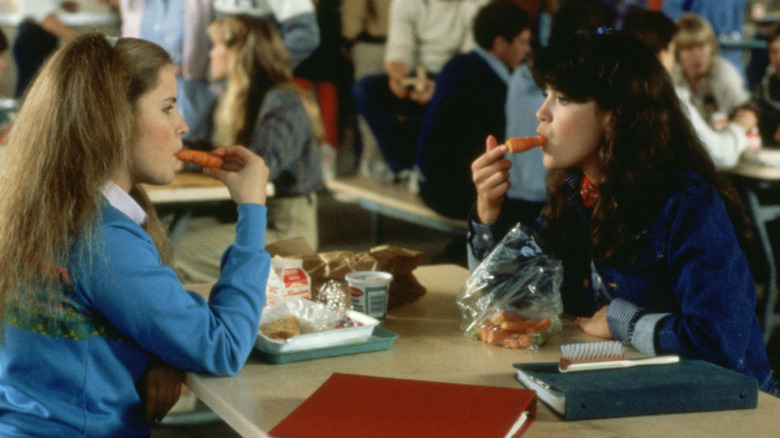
(282, 328)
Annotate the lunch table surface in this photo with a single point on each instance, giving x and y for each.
(431, 346)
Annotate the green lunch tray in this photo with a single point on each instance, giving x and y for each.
(379, 340)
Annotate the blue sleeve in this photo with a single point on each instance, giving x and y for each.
(145, 300)
(711, 281)
(301, 35)
(673, 8)
(278, 131)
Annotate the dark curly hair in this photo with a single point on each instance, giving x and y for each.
(644, 155)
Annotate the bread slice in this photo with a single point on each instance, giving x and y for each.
(282, 328)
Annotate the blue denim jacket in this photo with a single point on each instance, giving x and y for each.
(687, 289)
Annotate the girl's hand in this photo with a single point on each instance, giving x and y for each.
(243, 172)
(159, 388)
(490, 173)
(596, 325)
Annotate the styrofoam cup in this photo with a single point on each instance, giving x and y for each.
(368, 290)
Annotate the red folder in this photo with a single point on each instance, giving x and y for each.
(349, 405)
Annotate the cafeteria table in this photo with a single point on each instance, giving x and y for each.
(431, 346)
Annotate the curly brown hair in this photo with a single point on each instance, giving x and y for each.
(646, 152)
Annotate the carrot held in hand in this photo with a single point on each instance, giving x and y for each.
(522, 144)
(203, 159)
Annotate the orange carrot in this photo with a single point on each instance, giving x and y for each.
(522, 144)
(495, 336)
(510, 343)
(521, 326)
(521, 342)
(504, 315)
(203, 159)
(543, 325)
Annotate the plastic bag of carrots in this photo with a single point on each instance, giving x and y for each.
(513, 297)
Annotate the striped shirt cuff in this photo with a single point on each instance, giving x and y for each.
(644, 333)
(619, 316)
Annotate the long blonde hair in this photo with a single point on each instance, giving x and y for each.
(261, 62)
(72, 134)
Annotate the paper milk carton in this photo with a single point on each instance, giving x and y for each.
(287, 279)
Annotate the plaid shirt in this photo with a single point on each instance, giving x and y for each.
(284, 136)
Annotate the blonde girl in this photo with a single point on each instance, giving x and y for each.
(262, 109)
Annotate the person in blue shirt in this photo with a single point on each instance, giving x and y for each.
(651, 236)
(468, 105)
(97, 328)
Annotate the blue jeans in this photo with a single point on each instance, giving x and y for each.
(32, 47)
(394, 122)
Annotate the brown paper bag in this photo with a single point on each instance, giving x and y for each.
(328, 267)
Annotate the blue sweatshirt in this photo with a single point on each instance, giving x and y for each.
(69, 364)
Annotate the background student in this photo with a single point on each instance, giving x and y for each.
(468, 105)
(725, 145)
(715, 86)
(651, 236)
(421, 35)
(91, 307)
(179, 26)
(38, 35)
(262, 108)
(767, 94)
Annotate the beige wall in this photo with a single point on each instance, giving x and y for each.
(8, 7)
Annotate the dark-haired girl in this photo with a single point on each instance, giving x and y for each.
(650, 235)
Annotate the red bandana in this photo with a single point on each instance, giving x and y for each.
(589, 192)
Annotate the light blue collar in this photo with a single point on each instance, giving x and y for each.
(499, 67)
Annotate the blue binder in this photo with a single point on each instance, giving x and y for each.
(687, 386)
